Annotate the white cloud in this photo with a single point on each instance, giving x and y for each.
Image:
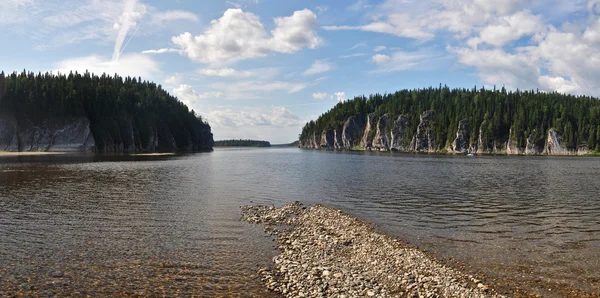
(509, 28)
(16, 11)
(161, 51)
(401, 60)
(276, 124)
(358, 45)
(498, 67)
(174, 15)
(133, 65)
(319, 66)
(189, 96)
(359, 5)
(341, 96)
(240, 35)
(353, 55)
(380, 59)
(320, 95)
(379, 48)
(321, 8)
(238, 117)
(255, 89)
(225, 72)
(174, 79)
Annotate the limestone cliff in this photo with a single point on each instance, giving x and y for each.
(351, 131)
(386, 134)
(462, 141)
(367, 139)
(424, 139)
(381, 141)
(399, 135)
(67, 135)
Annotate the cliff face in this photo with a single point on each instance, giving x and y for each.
(351, 131)
(424, 139)
(76, 135)
(367, 139)
(382, 135)
(386, 134)
(71, 135)
(400, 135)
(462, 141)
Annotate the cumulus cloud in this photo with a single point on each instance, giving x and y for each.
(240, 35)
(189, 96)
(133, 65)
(320, 95)
(380, 59)
(341, 96)
(275, 116)
(276, 124)
(521, 44)
(319, 66)
(509, 28)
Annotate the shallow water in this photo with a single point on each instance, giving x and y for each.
(170, 224)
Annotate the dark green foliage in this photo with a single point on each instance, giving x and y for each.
(124, 113)
(242, 143)
(498, 114)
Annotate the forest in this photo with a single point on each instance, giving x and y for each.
(124, 113)
(242, 143)
(494, 115)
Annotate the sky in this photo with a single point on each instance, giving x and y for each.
(260, 69)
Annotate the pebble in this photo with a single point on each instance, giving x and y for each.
(326, 253)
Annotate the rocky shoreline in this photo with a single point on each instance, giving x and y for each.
(326, 253)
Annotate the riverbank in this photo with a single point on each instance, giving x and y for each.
(29, 153)
(325, 252)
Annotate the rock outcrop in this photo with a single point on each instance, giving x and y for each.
(67, 135)
(381, 141)
(367, 139)
(424, 139)
(554, 144)
(327, 138)
(462, 141)
(400, 138)
(338, 142)
(386, 134)
(351, 131)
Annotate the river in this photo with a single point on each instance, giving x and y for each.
(169, 225)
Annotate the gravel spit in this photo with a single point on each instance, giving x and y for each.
(326, 253)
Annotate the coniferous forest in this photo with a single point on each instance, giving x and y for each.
(242, 143)
(125, 114)
(487, 118)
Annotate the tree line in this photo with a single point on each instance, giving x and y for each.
(242, 143)
(113, 105)
(497, 113)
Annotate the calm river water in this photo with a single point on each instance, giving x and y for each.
(169, 225)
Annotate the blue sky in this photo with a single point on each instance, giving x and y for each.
(261, 68)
